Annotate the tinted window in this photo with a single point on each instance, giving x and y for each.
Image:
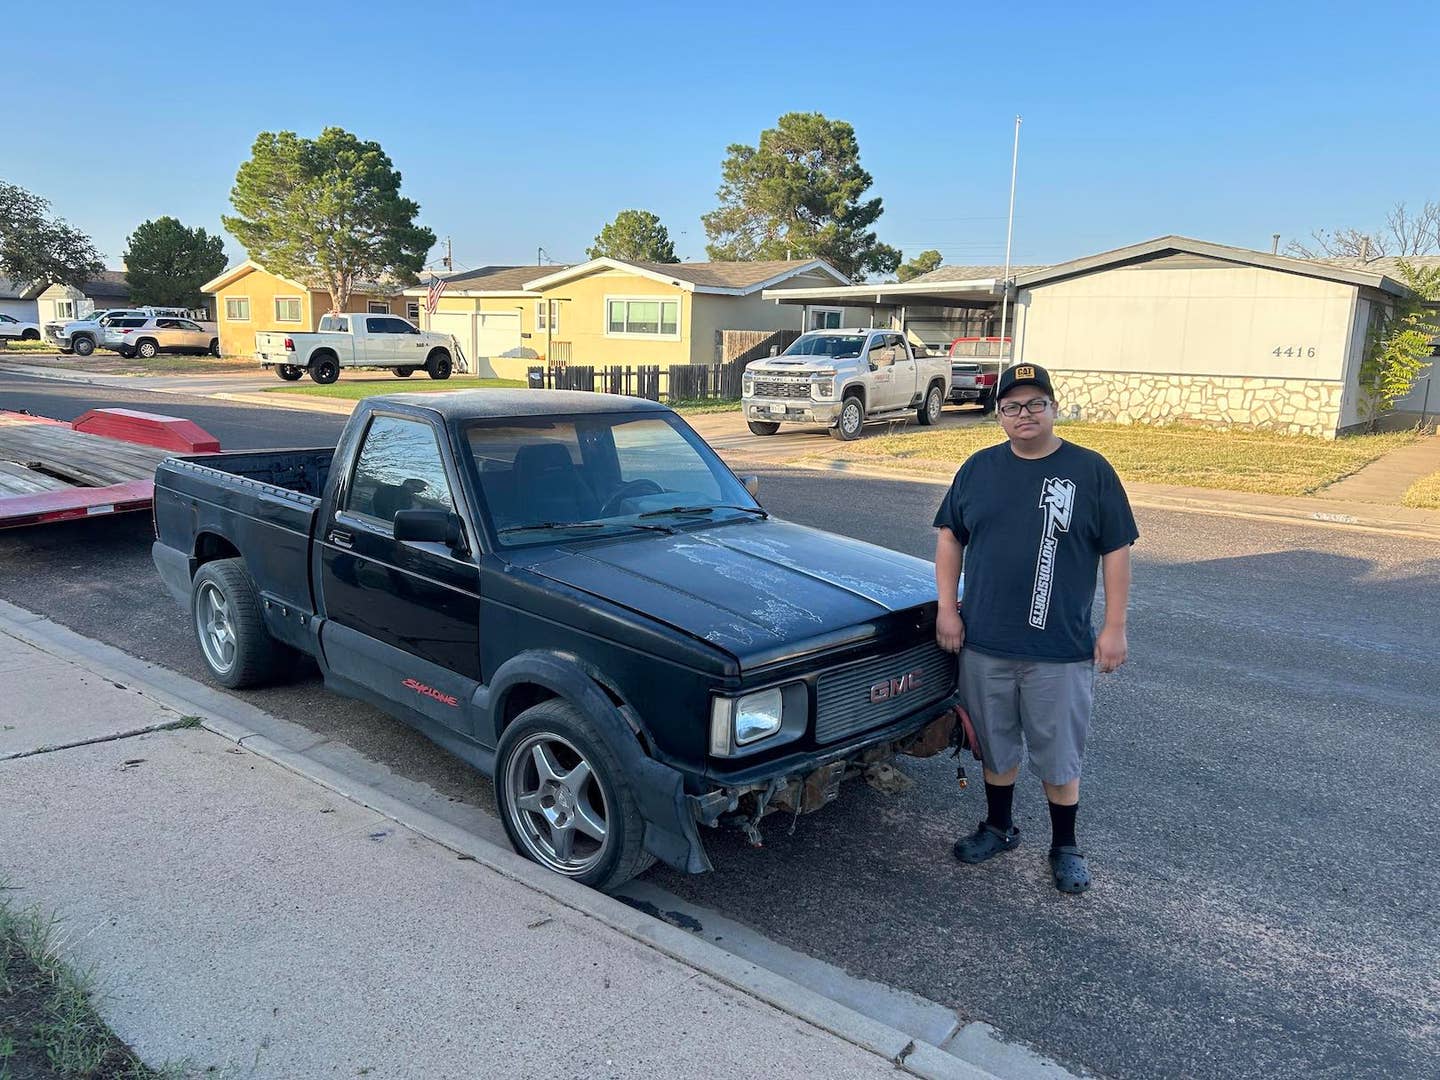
(185, 324)
(399, 468)
(129, 322)
(168, 324)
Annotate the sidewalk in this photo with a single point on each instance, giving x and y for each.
(242, 916)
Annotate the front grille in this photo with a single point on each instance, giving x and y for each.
(843, 695)
(781, 388)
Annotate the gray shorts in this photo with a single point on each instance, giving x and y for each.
(1047, 704)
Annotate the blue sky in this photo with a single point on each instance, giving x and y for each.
(525, 126)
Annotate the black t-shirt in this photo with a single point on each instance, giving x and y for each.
(1034, 531)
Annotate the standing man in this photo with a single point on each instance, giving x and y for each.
(1030, 519)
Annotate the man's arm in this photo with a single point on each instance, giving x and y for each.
(949, 554)
(1111, 646)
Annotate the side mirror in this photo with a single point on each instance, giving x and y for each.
(774, 350)
(429, 527)
(752, 485)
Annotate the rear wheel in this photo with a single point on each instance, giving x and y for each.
(563, 799)
(289, 372)
(148, 350)
(214, 349)
(225, 612)
(403, 372)
(930, 408)
(763, 427)
(324, 370)
(438, 365)
(30, 335)
(852, 419)
(84, 346)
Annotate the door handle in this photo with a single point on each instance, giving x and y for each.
(342, 539)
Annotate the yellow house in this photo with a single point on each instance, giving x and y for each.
(249, 298)
(607, 311)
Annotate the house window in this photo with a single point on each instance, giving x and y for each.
(377, 307)
(412, 311)
(287, 309)
(825, 318)
(643, 316)
(64, 309)
(237, 309)
(550, 317)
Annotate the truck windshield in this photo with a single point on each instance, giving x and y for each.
(826, 345)
(595, 475)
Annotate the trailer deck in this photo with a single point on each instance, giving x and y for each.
(102, 463)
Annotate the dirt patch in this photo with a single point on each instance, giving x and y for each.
(108, 363)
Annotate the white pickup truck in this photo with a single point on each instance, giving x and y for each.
(359, 341)
(842, 378)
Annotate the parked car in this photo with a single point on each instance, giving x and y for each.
(12, 329)
(842, 378)
(84, 335)
(574, 594)
(975, 370)
(375, 341)
(163, 333)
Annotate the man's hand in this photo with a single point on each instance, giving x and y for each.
(949, 629)
(1110, 648)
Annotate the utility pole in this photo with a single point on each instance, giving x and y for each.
(449, 255)
(1009, 233)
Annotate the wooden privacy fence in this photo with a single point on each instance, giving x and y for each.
(678, 382)
(742, 346)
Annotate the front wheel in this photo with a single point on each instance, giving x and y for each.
(30, 335)
(325, 370)
(438, 366)
(763, 427)
(225, 612)
(84, 346)
(852, 419)
(289, 372)
(563, 798)
(403, 372)
(929, 411)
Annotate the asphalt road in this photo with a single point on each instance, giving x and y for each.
(1258, 807)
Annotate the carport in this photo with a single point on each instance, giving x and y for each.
(934, 309)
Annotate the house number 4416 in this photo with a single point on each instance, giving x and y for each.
(1306, 351)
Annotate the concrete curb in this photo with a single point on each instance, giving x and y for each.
(1340, 515)
(285, 744)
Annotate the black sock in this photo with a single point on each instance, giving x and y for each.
(998, 798)
(1062, 825)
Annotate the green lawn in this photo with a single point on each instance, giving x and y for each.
(708, 405)
(355, 389)
(1181, 455)
(1424, 493)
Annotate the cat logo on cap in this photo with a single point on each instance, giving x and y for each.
(1025, 371)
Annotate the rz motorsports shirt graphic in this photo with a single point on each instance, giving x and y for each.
(1057, 503)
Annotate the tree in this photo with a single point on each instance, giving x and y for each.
(166, 263)
(327, 212)
(36, 248)
(920, 264)
(1404, 235)
(798, 195)
(635, 236)
(1398, 347)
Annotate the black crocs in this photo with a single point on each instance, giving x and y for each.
(1072, 875)
(985, 843)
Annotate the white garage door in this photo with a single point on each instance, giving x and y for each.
(459, 323)
(497, 334)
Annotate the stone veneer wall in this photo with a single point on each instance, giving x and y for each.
(1292, 406)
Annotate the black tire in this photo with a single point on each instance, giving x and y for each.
(325, 369)
(403, 372)
(851, 420)
(987, 404)
(289, 372)
(931, 408)
(620, 856)
(257, 658)
(147, 349)
(83, 346)
(214, 349)
(30, 335)
(763, 427)
(438, 365)
(128, 354)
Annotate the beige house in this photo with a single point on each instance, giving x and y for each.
(1169, 330)
(609, 312)
(249, 298)
(61, 303)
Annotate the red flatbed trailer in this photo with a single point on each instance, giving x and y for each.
(102, 463)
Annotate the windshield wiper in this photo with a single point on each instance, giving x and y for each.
(585, 525)
(708, 509)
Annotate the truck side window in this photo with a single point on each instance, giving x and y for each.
(399, 468)
(377, 326)
(879, 354)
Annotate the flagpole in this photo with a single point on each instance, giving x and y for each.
(1009, 234)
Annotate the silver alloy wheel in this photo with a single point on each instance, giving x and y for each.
(148, 350)
(933, 405)
(215, 627)
(556, 804)
(850, 417)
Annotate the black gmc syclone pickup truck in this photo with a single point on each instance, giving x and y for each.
(574, 594)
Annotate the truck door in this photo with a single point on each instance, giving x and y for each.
(403, 618)
(905, 371)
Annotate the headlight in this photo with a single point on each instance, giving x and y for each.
(824, 388)
(741, 721)
(747, 383)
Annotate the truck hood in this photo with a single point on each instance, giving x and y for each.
(761, 590)
(801, 365)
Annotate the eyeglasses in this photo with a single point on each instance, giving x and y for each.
(1033, 406)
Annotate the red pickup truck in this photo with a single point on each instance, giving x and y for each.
(975, 369)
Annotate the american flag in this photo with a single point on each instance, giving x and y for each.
(437, 290)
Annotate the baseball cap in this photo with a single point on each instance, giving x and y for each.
(1023, 375)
